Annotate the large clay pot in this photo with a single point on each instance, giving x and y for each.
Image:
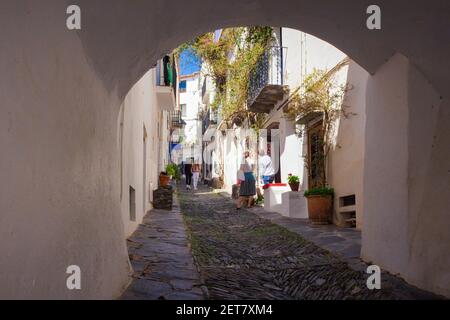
(320, 209)
(164, 180)
(294, 186)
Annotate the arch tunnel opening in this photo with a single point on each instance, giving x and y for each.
(345, 168)
(62, 92)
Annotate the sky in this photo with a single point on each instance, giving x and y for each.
(189, 62)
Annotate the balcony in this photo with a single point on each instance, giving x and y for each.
(166, 78)
(266, 83)
(176, 119)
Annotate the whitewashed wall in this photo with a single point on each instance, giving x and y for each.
(405, 226)
(192, 131)
(346, 159)
(140, 110)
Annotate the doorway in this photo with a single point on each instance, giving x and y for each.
(273, 148)
(144, 170)
(315, 160)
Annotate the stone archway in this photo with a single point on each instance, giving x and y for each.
(136, 34)
(61, 92)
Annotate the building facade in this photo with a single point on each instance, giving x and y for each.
(187, 134)
(292, 56)
(144, 132)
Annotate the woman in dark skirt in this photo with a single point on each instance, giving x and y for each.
(247, 189)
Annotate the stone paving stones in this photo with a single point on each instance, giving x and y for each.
(243, 256)
(163, 267)
(218, 252)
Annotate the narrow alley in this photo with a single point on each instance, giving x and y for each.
(241, 256)
(225, 150)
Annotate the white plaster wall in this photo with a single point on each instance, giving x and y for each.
(346, 159)
(59, 162)
(192, 131)
(319, 54)
(428, 186)
(385, 201)
(291, 160)
(140, 109)
(232, 157)
(406, 184)
(290, 144)
(164, 140)
(291, 39)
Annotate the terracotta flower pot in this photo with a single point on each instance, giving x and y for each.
(320, 209)
(294, 186)
(164, 180)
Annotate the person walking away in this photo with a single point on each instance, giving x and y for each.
(195, 174)
(248, 187)
(267, 171)
(188, 173)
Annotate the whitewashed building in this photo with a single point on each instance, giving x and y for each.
(144, 140)
(292, 56)
(189, 106)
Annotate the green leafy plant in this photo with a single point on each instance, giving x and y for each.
(320, 191)
(259, 199)
(174, 171)
(231, 75)
(293, 179)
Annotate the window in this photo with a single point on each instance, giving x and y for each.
(132, 204)
(183, 86)
(316, 164)
(144, 168)
(183, 110)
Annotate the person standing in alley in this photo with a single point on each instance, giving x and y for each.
(266, 169)
(240, 176)
(248, 186)
(195, 174)
(188, 173)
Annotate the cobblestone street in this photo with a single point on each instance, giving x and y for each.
(162, 264)
(241, 256)
(223, 253)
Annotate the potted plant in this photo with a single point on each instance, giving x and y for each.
(164, 179)
(294, 182)
(320, 204)
(173, 171)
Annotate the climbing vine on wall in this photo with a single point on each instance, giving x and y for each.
(229, 62)
(321, 94)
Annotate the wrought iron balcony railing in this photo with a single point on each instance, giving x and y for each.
(176, 119)
(268, 71)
